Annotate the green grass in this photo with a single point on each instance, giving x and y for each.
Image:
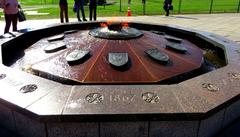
(152, 7)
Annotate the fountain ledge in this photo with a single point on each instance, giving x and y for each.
(189, 108)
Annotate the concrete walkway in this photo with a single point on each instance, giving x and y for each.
(226, 25)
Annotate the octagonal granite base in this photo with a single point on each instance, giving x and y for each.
(31, 106)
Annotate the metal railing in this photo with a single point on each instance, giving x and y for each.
(187, 6)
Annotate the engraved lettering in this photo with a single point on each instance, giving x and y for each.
(28, 88)
(121, 98)
(132, 98)
(125, 98)
(94, 98)
(2, 76)
(150, 97)
(210, 87)
(234, 75)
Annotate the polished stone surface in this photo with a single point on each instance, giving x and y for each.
(204, 102)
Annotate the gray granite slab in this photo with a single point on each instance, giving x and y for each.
(232, 113)
(124, 129)
(0, 52)
(173, 128)
(216, 87)
(23, 89)
(120, 99)
(6, 118)
(73, 129)
(212, 125)
(28, 127)
(190, 101)
(53, 103)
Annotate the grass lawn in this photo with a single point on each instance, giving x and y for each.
(119, 7)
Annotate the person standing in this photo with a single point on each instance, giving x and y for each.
(93, 10)
(10, 9)
(80, 6)
(167, 5)
(63, 10)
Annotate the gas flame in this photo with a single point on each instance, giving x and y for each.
(103, 24)
(125, 24)
(114, 21)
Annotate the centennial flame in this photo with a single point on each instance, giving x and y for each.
(114, 22)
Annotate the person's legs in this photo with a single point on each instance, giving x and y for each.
(66, 13)
(95, 12)
(165, 7)
(167, 12)
(61, 13)
(14, 21)
(8, 23)
(78, 14)
(90, 12)
(82, 10)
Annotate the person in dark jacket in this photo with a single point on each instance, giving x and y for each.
(63, 10)
(93, 9)
(80, 6)
(167, 5)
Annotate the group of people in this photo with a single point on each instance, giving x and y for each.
(11, 8)
(78, 6)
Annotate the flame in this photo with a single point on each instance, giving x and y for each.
(125, 25)
(112, 21)
(103, 24)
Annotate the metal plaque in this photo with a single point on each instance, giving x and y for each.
(118, 59)
(70, 31)
(77, 55)
(177, 47)
(56, 37)
(54, 47)
(157, 55)
(158, 32)
(173, 39)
